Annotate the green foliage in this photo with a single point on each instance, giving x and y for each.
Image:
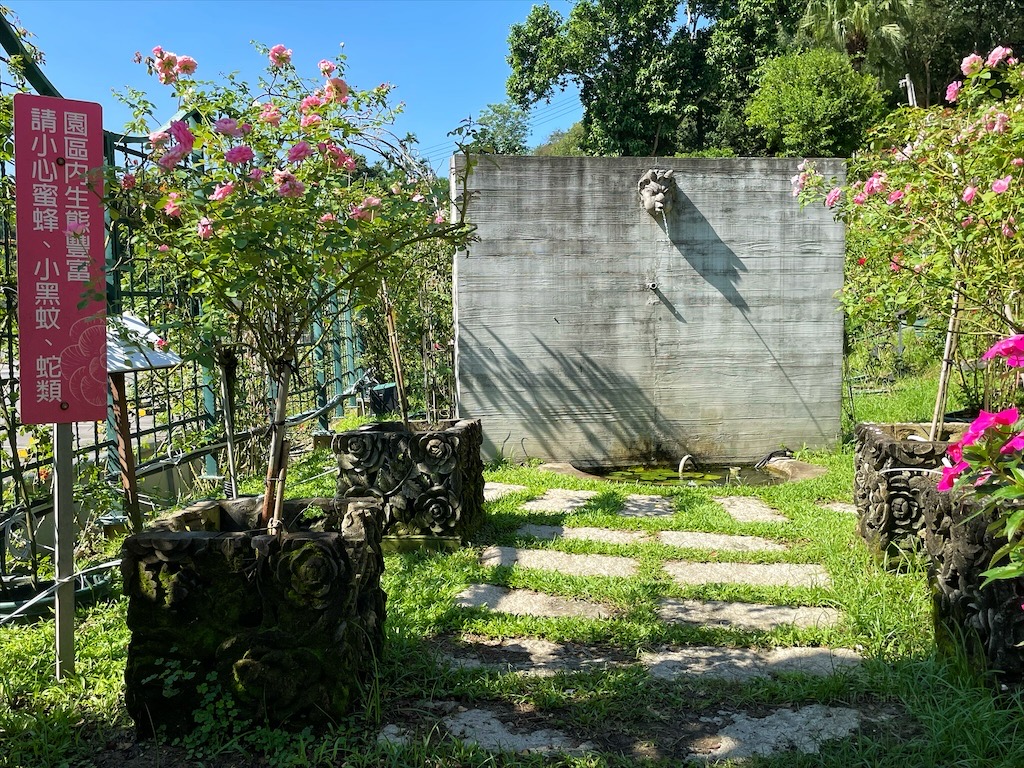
(501, 130)
(872, 33)
(563, 143)
(814, 104)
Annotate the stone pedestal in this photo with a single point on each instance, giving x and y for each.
(986, 623)
(892, 465)
(287, 627)
(430, 480)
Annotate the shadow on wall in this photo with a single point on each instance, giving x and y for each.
(569, 393)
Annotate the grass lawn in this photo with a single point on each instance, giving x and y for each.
(927, 711)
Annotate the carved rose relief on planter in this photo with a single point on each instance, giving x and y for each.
(431, 482)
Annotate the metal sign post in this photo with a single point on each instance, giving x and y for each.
(64, 555)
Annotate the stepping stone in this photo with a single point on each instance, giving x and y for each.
(748, 616)
(524, 602)
(494, 491)
(559, 500)
(756, 574)
(701, 540)
(749, 509)
(740, 664)
(637, 505)
(563, 562)
(484, 728)
(804, 729)
(841, 506)
(530, 655)
(604, 535)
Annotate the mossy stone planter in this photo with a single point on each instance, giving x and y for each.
(987, 624)
(893, 463)
(287, 627)
(430, 480)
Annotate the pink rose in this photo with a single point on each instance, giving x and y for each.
(204, 228)
(257, 173)
(163, 248)
(971, 65)
(308, 121)
(968, 195)
(336, 90)
(327, 218)
(359, 212)
(186, 65)
(1008, 230)
(169, 159)
(370, 202)
(171, 207)
(270, 114)
(310, 103)
(228, 126)
(998, 125)
(859, 198)
(1001, 185)
(223, 191)
(279, 55)
(128, 181)
(159, 138)
(339, 159)
(180, 133)
(288, 185)
(895, 196)
(239, 154)
(875, 184)
(326, 67)
(967, 222)
(953, 90)
(1017, 162)
(418, 198)
(245, 129)
(833, 197)
(299, 152)
(997, 55)
(439, 217)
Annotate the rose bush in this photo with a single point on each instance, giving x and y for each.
(934, 208)
(252, 198)
(987, 462)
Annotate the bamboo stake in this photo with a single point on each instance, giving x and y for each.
(276, 443)
(396, 360)
(952, 330)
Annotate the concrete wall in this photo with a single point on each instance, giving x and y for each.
(565, 352)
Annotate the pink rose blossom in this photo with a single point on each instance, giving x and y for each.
(358, 212)
(288, 185)
(128, 181)
(439, 217)
(163, 248)
(997, 55)
(270, 114)
(299, 152)
(1008, 230)
(228, 126)
(172, 157)
(370, 202)
(327, 218)
(833, 196)
(223, 191)
(418, 198)
(310, 103)
(967, 222)
(1017, 162)
(279, 55)
(326, 67)
(171, 207)
(257, 173)
(159, 138)
(1011, 348)
(180, 133)
(239, 154)
(953, 90)
(1001, 185)
(336, 90)
(971, 65)
(308, 121)
(875, 184)
(859, 198)
(204, 228)
(245, 129)
(968, 195)
(186, 65)
(998, 125)
(895, 196)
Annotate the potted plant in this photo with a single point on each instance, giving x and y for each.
(253, 200)
(973, 533)
(933, 210)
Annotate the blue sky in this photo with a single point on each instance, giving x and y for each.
(445, 57)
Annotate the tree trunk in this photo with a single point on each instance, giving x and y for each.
(270, 516)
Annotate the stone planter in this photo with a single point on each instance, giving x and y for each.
(987, 624)
(430, 480)
(287, 627)
(891, 468)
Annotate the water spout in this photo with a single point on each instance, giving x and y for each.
(686, 464)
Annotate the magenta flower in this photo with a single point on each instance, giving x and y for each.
(968, 195)
(955, 452)
(997, 55)
(257, 173)
(336, 90)
(1012, 349)
(953, 90)
(128, 181)
(280, 56)
(986, 421)
(228, 126)
(186, 65)
(181, 134)
(972, 64)
(950, 474)
(1001, 185)
(223, 191)
(833, 197)
(270, 114)
(299, 152)
(239, 154)
(163, 248)
(326, 67)
(1014, 444)
(204, 228)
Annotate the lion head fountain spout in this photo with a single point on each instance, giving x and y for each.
(657, 190)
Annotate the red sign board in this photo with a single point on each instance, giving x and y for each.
(61, 285)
